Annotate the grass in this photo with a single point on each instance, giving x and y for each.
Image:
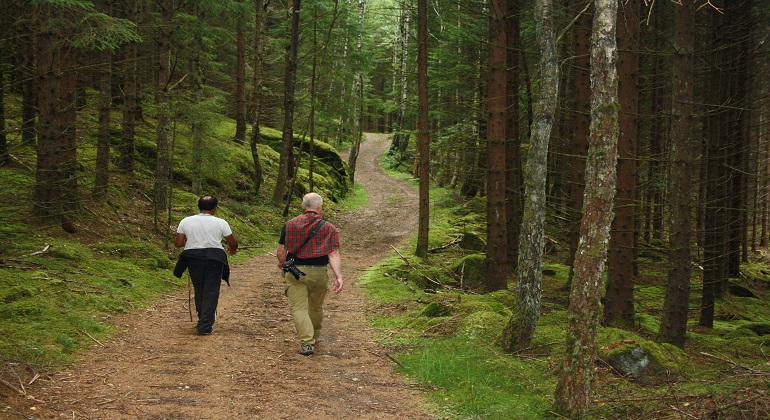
(59, 292)
(447, 340)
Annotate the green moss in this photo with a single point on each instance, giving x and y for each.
(483, 327)
(472, 269)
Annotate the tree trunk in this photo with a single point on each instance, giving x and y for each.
(256, 110)
(3, 137)
(287, 145)
(197, 124)
(574, 385)
(423, 136)
(240, 74)
(163, 103)
(130, 96)
(513, 178)
(621, 259)
(400, 138)
(102, 175)
(521, 327)
(581, 123)
(673, 326)
(358, 94)
(497, 237)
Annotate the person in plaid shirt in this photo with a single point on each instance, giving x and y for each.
(307, 293)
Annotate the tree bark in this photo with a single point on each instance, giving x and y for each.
(621, 259)
(519, 332)
(240, 74)
(574, 385)
(673, 326)
(581, 124)
(423, 135)
(285, 168)
(162, 100)
(102, 174)
(513, 165)
(256, 109)
(497, 270)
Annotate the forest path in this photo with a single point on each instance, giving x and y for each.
(249, 368)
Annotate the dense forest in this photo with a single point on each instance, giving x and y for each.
(625, 127)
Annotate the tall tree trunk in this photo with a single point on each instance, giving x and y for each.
(513, 173)
(67, 115)
(256, 110)
(423, 135)
(497, 270)
(574, 385)
(197, 124)
(673, 326)
(290, 77)
(25, 63)
(621, 259)
(521, 327)
(581, 123)
(400, 138)
(358, 93)
(51, 146)
(240, 74)
(102, 175)
(3, 124)
(130, 96)
(163, 102)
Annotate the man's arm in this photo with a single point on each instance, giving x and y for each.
(336, 264)
(180, 240)
(232, 244)
(280, 252)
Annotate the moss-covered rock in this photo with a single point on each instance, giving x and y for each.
(436, 309)
(758, 328)
(483, 327)
(472, 270)
(505, 297)
(640, 359)
(472, 241)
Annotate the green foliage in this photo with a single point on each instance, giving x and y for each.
(467, 380)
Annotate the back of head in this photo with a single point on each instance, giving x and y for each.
(207, 202)
(312, 201)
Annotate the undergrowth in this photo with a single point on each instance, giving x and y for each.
(444, 334)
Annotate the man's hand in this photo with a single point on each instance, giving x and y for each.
(337, 286)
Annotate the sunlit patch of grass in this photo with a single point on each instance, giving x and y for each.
(468, 381)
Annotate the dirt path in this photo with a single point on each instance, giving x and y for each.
(157, 368)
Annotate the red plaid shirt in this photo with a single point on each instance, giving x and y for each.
(296, 230)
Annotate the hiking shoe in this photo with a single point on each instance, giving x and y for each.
(306, 349)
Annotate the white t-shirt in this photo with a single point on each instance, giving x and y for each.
(204, 231)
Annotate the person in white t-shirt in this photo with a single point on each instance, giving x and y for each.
(205, 258)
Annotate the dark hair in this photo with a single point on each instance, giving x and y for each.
(207, 202)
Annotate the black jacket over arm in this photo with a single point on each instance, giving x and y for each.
(216, 254)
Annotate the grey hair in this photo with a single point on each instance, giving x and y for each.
(312, 201)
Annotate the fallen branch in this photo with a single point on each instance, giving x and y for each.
(653, 398)
(415, 268)
(724, 359)
(454, 242)
(92, 338)
(47, 246)
(11, 386)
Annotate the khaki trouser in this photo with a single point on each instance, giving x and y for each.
(306, 299)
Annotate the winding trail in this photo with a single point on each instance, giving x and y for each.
(157, 368)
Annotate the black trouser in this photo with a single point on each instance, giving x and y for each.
(206, 276)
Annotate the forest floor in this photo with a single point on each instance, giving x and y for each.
(156, 367)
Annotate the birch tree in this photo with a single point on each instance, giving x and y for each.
(518, 333)
(577, 371)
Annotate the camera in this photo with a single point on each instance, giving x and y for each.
(289, 267)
